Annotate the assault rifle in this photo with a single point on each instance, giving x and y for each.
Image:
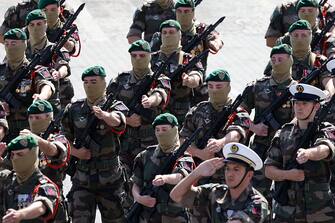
(41, 58)
(68, 24)
(175, 75)
(281, 187)
(318, 36)
(198, 38)
(267, 115)
(135, 105)
(135, 210)
(197, 2)
(83, 138)
(54, 125)
(224, 119)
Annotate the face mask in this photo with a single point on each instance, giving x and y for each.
(16, 55)
(219, 98)
(25, 166)
(170, 43)
(310, 17)
(282, 71)
(141, 66)
(39, 126)
(95, 91)
(185, 20)
(169, 140)
(52, 18)
(301, 47)
(37, 36)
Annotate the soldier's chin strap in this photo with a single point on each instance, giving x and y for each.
(247, 169)
(309, 114)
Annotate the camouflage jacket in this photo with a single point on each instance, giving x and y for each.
(214, 201)
(146, 165)
(180, 100)
(36, 188)
(310, 200)
(103, 168)
(148, 18)
(260, 95)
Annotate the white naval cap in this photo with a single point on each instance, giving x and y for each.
(306, 92)
(237, 152)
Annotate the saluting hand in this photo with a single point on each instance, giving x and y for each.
(209, 167)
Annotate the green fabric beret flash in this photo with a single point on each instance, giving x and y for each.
(165, 119)
(282, 48)
(220, 75)
(94, 71)
(43, 3)
(185, 3)
(16, 34)
(35, 15)
(170, 24)
(301, 25)
(40, 107)
(22, 142)
(140, 45)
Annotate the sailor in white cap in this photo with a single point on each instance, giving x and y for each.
(235, 201)
(310, 201)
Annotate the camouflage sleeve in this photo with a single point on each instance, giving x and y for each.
(189, 124)
(275, 27)
(240, 124)
(3, 177)
(248, 102)
(63, 151)
(138, 170)
(119, 108)
(163, 88)
(9, 20)
(138, 25)
(184, 165)
(327, 137)
(67, 123)
(42, 77)
(275, 156)
(48, 195)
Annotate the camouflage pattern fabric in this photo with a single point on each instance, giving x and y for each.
(146, 165)
(17, 120)
(310, 200)
(97, 181)
(214, 201)
(18, 196)
(180, 100)
(148, 18)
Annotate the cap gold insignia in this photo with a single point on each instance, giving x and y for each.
(24, 142)
(41, 107)
(96, 71)
(234, 148)
(170, 119)
(300, 89)
(18, 35)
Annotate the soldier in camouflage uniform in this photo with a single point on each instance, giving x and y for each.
(58, 67)
(233, 202)
(309, 197)
(160, 209)
(15, 16)
(26, 193)
(185, 15)
(148, 18)
(33, 86)
(206, 114)
(52, 10)
(285, 14)
(304, 61)
(259, 96)
(98, 179)
(140, 133)
(182, 86)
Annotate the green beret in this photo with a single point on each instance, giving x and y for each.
(94, 71)
(307, 3)
(43, 3)
(184, 3)
(16, 34)
(140, 45)
(300, 24)
(40, 107)
(282, 48)
(35, 15)
(165, 119)
(170, 24)
(4, 123)
(218, 75)
(22, 142)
